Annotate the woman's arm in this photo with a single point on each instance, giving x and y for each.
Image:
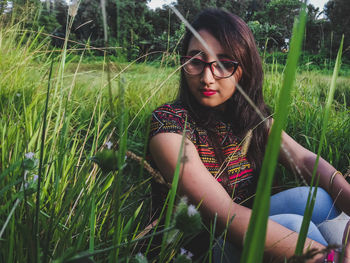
(200, 186)
(302, 161)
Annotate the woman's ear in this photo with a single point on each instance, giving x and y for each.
(238, 74)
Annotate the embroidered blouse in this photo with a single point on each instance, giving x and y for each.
(240, 181)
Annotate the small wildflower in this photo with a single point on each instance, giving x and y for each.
(29, 155)
(191, 211)
(106, 159)
(18, 95)
(188, 254)
(184, 257)
(30, 182)
(139, 258)
(29, 162)
(109, 145)
(187, 218)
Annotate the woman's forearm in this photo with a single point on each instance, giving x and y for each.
(280, 242)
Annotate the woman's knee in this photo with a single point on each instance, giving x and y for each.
(290, 221)
(293, 201)
(293, 222)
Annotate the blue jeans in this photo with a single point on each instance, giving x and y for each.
(287, 209)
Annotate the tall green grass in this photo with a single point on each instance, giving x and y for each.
(256, 234)
(83, 212)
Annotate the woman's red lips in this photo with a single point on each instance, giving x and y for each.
(208, 92)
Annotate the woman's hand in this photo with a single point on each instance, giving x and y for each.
(301, 161)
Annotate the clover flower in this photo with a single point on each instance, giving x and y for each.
(185, 252)
(187, 218)
(109, 145)
(106, 159)
(191, 210)
(28, 183)
(184, 257)
(29, 162)
(29, 155)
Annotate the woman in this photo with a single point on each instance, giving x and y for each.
(217, 171)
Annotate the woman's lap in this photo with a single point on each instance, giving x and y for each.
(287, 208)
(293, 222)
(293, 201)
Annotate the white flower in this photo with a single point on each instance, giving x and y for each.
(35, 177)
(184, 199)
(186, 253)
(189, 255)
(109, 144)
(30, 182)
(29, 155)
(191, 210)
(18, 94)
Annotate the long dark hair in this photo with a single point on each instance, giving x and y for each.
(238, 41)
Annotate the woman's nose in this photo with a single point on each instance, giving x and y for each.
(207, 76)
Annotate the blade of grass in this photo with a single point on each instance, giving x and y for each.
(312, 193)
(92, 225)
(173, 190)
(41, 159)
(255, 236)
(212, 236)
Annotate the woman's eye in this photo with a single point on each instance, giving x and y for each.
(228, 64)
(196, 61)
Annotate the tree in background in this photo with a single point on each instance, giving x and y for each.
(316, 30)
(338, 13)
(276, 19)
(138, 30)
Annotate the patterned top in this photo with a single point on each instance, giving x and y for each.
(171, 118)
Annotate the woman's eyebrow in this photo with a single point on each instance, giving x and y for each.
(224, 56)
(196, 52)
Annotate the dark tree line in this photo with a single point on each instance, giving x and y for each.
(139, 30)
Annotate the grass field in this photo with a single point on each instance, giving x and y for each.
(83, 209)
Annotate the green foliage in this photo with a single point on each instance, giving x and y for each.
(338, 13)
(256, 234)
(315, 181)
(265, 32)
(77, 216)
(135, 30)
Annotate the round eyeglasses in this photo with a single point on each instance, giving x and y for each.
(195, 66)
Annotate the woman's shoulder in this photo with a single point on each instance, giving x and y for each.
(170, 117)
(175, 108)
(174, 112)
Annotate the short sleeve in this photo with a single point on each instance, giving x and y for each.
(171, 119)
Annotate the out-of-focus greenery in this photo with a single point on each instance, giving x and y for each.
(135, 30)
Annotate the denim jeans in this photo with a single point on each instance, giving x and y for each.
(287, 209)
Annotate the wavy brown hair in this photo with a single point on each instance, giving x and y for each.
(238, 42)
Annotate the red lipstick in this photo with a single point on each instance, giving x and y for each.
(208, 92)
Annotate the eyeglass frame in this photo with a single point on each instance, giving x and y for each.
(235, 63)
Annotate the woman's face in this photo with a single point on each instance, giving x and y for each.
(209, 90)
